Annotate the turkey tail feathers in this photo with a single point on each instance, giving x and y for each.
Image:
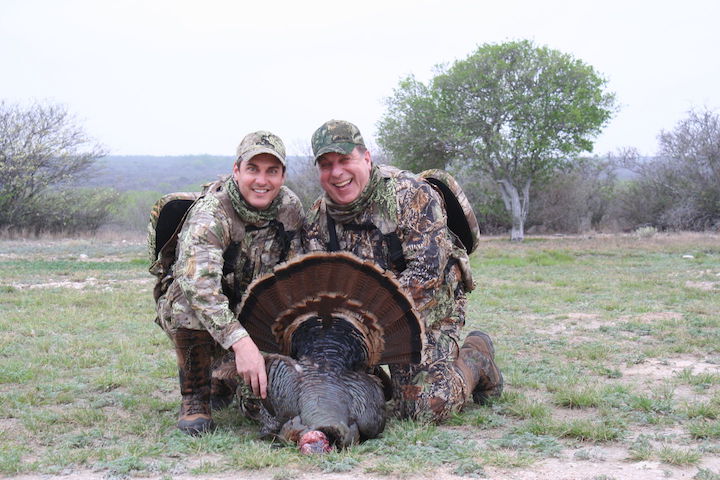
(334, 285)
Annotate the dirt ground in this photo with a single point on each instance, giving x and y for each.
(598, 462)
(610, 463)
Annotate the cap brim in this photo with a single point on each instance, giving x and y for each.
(257, 151)
(344, 148)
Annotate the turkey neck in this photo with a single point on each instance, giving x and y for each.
(329, 353)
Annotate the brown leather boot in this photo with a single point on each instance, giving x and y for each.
(476, 364)
(194, 354)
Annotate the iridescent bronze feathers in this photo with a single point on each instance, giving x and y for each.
(330, 286)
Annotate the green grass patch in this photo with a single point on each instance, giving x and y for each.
(704, 429)
(586, 332)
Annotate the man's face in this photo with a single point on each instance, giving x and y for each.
(343, 177)
(259, 179)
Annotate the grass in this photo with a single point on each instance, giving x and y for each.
(608, 341)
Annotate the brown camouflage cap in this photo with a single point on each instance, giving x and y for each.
(261, 141)
(336, 136)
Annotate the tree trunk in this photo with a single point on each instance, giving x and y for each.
(517, 206)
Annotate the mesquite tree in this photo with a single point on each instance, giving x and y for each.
(514, 111)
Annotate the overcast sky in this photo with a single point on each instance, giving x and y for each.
(192, 77)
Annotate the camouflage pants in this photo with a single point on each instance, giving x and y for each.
(431, 390)
(173, 312)
(434, 389)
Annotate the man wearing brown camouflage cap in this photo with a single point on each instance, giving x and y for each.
(239, 228)
(397, 220)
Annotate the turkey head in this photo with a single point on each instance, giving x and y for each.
(326, 320)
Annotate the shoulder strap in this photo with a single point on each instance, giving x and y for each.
(394, 245)
(392, 241)
(333, 245)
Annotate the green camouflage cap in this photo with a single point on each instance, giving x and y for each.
(259, 142)
(336, 136)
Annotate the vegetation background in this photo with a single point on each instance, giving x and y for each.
(514, 121)
(679, 189)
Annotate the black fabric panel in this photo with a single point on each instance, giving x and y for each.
(456, 216)
(168, 220)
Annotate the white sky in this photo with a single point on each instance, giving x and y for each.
(190, 77)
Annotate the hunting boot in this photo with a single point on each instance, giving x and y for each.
(194, 354)
(476, 364)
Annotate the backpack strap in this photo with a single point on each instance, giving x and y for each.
(333, 245)
(391, 240)
(394, 245)
(284, 236)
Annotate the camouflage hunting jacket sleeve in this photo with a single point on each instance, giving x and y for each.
(421, 225)
(209, 229)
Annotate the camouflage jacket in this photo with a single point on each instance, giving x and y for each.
(436, 271)
(199, 295)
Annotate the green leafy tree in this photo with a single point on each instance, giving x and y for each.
(415, 130)
(514, 111)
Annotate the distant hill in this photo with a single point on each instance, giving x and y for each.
(155, 173)
(187, 172)
(160, 173)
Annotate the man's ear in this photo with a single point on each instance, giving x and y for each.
(236, 171)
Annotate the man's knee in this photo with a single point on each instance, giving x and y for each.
(433, 394)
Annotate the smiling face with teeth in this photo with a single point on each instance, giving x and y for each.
(344, 176)
(259, 179)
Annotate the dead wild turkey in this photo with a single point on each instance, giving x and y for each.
(326, 320)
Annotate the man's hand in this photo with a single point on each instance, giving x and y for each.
(251, 365)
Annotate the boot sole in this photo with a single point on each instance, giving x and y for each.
(197, 427)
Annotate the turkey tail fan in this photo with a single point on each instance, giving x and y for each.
(337, 284)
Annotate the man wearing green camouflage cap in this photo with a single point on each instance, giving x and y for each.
(397, 220)
(238, 229)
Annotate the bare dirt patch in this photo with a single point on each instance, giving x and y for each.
(654, 370)
(611, 462)
(707, 286)
(88, 283)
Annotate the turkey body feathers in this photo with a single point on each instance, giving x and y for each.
(327, 388)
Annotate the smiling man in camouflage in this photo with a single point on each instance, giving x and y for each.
(239, 229)
(397, 220)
